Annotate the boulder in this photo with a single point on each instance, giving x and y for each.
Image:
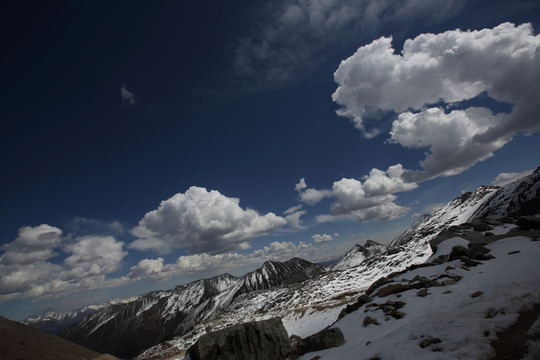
(528, 223)
(368, 320)
(363, 299)
(258, 340)
(393, 289)
(324, 339)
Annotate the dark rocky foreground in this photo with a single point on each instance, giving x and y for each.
(23, 342)
(260, 340)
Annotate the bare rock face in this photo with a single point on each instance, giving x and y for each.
(258, 340)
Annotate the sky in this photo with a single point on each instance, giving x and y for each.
(146, 145)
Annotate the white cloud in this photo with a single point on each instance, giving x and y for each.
(293, 217)
(25, 271)
(293, 220)
(322, 238)
(451, 67)
(380, 182)
(31, 245)
(310, 196)
(452, 139)
(381, 212)
(295, 37)
(293, 209)
(370, 200)
(128, 98)
(149, 269)
(94, 255)
(507, 178)
(301, 186)
(203, 221)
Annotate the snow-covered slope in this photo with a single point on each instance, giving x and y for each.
(451, 310)
(518, 198)
(521, 197)
(454, 213)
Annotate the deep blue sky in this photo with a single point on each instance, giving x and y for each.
(229, 96)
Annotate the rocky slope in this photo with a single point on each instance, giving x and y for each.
(468, 301)
(516, 199)
(127, 329)
(20, 341)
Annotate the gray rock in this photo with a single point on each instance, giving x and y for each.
(368, 320)
(258, 340)
(324, 339)
(429, 341)
(363, 299)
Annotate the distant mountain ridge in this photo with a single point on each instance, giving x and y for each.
(54, 322)
(125, 330)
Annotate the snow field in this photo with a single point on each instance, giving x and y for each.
(465, 325)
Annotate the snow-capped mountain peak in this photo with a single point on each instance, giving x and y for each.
(358, 254)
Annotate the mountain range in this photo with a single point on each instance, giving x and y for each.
(306, 296)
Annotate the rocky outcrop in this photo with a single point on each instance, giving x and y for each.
(258, 340)
(324, 339)
(519, 198)
(261, 340)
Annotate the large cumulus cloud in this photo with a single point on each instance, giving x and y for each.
(369, 200)
(447, 68)
(203, 221)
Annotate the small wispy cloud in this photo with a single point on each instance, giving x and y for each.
(294, 37)
(323, 238)
(128, 98)
(506, 178)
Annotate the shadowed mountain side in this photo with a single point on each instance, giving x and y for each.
(21, 341)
